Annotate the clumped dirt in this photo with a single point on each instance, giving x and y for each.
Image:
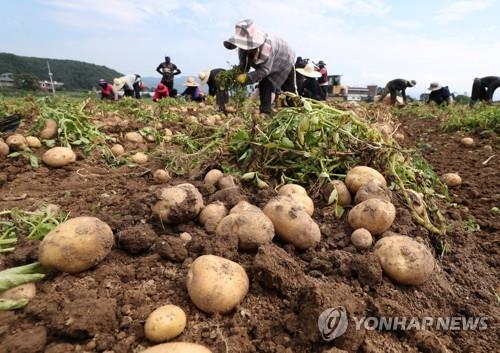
(104, 309)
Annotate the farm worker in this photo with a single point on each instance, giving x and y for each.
(310, 87)
(161, 91)
(106, 90)
(209, 77)
(193, 91)
(483, 89)
(439, 94)
(323, 80)
(131, 85)
(168, 70)
(395, 86)
(271, 58)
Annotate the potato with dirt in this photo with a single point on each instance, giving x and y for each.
(213, 177)
(178, 204)
(49, 130)
(375, 215)
(165, 323)
(361, 239)
(244, 206)
(140, 158)
(216, 284)
(16, 142)
(134, 137)
(344, 197)
(451, 179)
(177, 347)
(117, 150)
(361, 175)
(4, 148)
(33, 142)
(292, 223)
(227, 182)
(59, 157)
(211, 216)
(404, 260)
(23, 291)
(373, 190)
(299, 194)
(161, 176)
(76, 245)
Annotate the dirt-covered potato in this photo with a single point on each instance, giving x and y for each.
(139, 158)
(16, 142)
(178, 204)
(384, 128)
(33, 142)
(451, 179)
(76, 245)
(213, 177)
(150, 138)
(117, 150)
(374, 215)
(4, 148)
(161, 176)
(244, 206)
(49, 130)
(168, 134)
(177, 347)
(360, 175)
(292, 223)
(59, 157)
(216, 284)
(404, 260)
(399, 137)
(344, 197)
(24, 291)
(299, 194)
(373, 190)
(211, 216)
(252, 228)
(417, 201)
(467, 141)
(134, 137)
(361, 239)
(191, 119)
(165, 323)
(227, 182)
(289, 189)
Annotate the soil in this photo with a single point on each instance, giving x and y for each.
(104, 309)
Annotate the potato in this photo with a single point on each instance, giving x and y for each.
(372, 190)
(299, 194)
(344, 197)
(467, 141)
(360, 175)
(49, 130)
(134, 137)
(289, 189)
(33, 142)
(216, 284)
(361, 239)
(59, 157)
(244, 206)
(451, 179)
(399, 137)
(404, 260)
(191, 119)
(140, 158)
(230, 109)
(168, 135)
(375, 215)
(4, 149)
(227, 182)
(178, 204)
(252, 228)
(16, 142)
(76, 245)
(177, 347)
(211, 216)
(165, 323)
(292, 223)
(213, 177)
(23, 291)
(385, 129)
(150, 138)
(117, 150)
(417, 200)
(161, 176)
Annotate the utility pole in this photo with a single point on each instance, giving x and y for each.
(51, 82)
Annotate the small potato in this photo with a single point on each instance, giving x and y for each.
(165, 323)
(344, 197)
(299, 194)
(211, 216)
(191, 119)
(292, 223)
(16, 142)
(451, 179)
(161, 176)
(117, 150)
(417, 200)
(213, 177)
(230, 110)
(216, 284)
(140, 158)
(134, 137)
(404, 260)
(4, 149)
(33, 142)
(373, 190)
(361, 239)
(385, 129)
(227, 182)
(150, 138)
(76, 245)
(178, 204)
(177, 347)
(244, 206)
(374, 215)
(360, 175)
(59, 157)
(467, 141)
(49, 130)
(399, 137)
(24, 291)
(168, 134)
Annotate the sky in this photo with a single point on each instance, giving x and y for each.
(367, 41)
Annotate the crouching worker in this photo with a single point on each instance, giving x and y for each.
(483, 89)
(310, 87)
(193, 91)
(161, 91)
(439, 94)
(271, 58)
(107, 91)
(395, 86)
(131, 85)
(210, 78)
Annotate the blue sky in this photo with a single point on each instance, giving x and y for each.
(368, 41)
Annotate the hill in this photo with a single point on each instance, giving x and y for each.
(74, 74)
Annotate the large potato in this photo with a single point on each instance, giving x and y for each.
(404, 260)
(344, 197)
(17, 142)
(211, 215)
(59, 156)
(177, 347)
(252, 229)
(76, 245)
(374, 215)
(134, 137)
(360, 175)
(216, 284)
(451, 179)
(292, 223)
(165, 323)
(33, 142)
(299, 195)
(373, 190)
(49, 130)
(23, 291)
(178, 204)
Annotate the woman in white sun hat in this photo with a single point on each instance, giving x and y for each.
(439, 94)
(309, 87)
(209, 77)
(193, 91)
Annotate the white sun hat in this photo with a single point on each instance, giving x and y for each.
(309, 71)
(190, 82)
(203, 76)
(434, 86)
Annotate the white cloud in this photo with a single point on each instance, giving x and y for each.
(407, 24)
(458, 10)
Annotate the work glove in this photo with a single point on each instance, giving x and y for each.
(242, 78)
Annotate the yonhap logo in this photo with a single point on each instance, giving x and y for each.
(332, 323)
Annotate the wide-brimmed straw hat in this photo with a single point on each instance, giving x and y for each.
(203, 76)
(434, 86)
(309, 71)
(190, 82)
(246, 36)
(412, 83)
(118, 83)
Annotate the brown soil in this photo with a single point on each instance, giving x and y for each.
(104, 309)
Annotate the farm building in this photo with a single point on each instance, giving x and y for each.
(7, 80)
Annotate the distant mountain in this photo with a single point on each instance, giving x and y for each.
(74, 74)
